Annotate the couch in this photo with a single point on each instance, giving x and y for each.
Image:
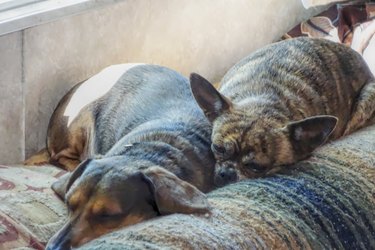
(324, 202)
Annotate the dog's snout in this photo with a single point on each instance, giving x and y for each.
(59, 247)
(225, 176)
(62, 239)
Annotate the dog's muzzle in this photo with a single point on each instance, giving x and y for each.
(225, 174)
(61, 240)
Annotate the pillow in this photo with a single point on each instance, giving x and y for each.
(30, 212)
(337, 23)
(312, 3)
(352, 24)
(369, 52)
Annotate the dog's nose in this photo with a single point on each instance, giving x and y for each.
(62, 239)
(56, 247)
(225, 176)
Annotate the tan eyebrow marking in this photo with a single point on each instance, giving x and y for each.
(75, 199)
(106, 205)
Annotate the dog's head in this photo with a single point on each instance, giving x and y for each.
(102, 199)
(249, 144)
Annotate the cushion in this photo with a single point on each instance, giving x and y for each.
(324, 202)
(30, 212)
(337, 23)
(352, 24)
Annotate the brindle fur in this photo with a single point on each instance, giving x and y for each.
(148, 145)
(281, 102)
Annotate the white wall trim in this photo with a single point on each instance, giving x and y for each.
(30, 15)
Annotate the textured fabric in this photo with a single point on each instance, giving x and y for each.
(29, 210)
(325, 202)
(352, 24)
(312, 3)
(337, 23)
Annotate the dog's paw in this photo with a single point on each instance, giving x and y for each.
(39, 159)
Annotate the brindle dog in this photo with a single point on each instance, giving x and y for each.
(280, 103)
(142, 147)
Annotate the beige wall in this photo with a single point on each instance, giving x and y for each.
(38, 65)
(11, 98)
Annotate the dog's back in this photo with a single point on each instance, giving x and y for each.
(301, 78)
(279, 104)
(145, 96)
(145, 111)
(160, 122)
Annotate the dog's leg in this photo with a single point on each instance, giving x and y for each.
(67, 158)
(40, 158)
(69, 164)
(364, 110)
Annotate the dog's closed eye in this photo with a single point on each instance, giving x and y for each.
(256, 168)
(105, 216)
(225, 151)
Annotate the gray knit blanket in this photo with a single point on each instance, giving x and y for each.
(326, 201)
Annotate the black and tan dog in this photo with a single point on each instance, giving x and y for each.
(280, 103)
(154, 147)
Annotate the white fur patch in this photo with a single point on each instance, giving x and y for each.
(218, 105)
(94, 88)
(298, 133)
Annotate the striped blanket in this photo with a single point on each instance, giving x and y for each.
(325, 202)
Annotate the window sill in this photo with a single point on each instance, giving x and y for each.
(38, 13)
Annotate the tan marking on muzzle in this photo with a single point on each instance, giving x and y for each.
(84, 231)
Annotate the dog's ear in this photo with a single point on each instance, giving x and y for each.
(208, 98)
(308, 134)
(63, 184)
(173, 195)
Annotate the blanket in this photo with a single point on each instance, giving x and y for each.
(324, 202)
(350, 23)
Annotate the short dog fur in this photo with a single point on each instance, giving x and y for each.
(139, 146)
(277, 105)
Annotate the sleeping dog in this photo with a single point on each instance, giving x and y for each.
(280, 103)
(139, 146)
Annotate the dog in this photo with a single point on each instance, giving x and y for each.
(277, 105)
(138, 147)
